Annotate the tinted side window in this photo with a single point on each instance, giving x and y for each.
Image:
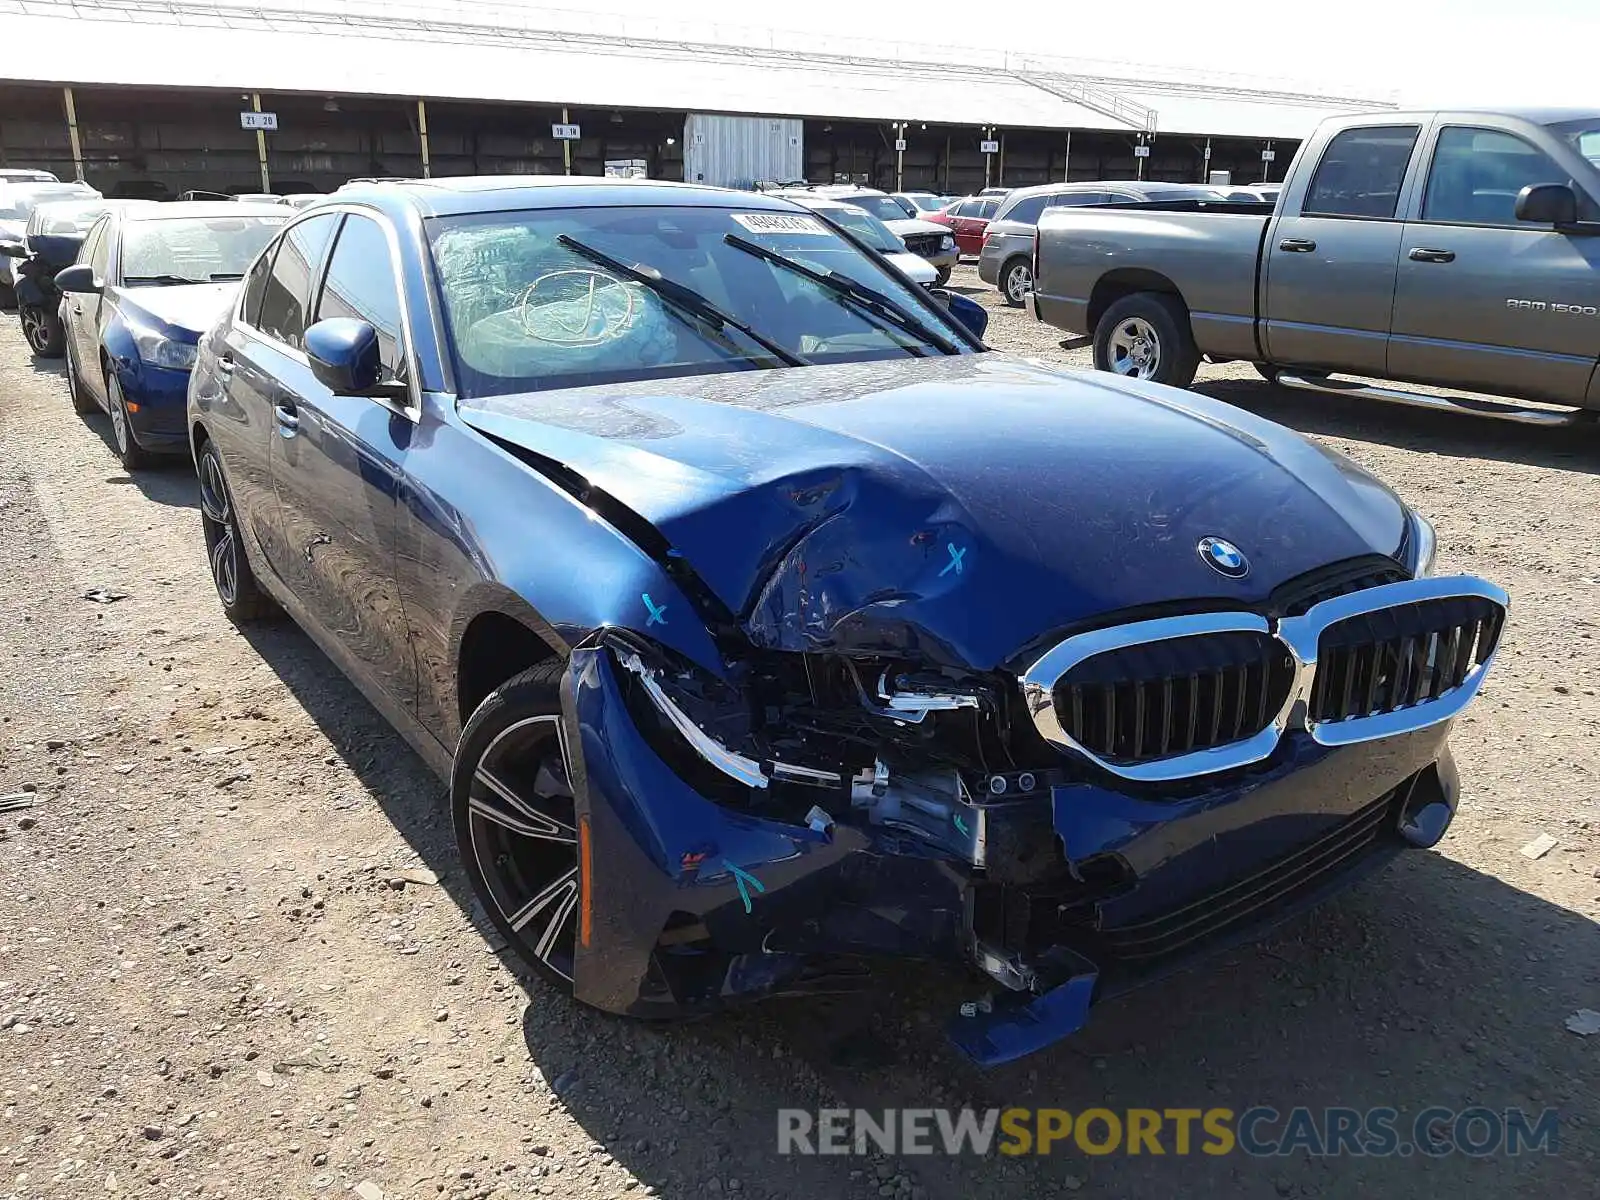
(1026, 210)
(361, 284)
(1477, 173)
(1361, 172)
(255, 286)
(967, 208)
(1079, 199)
(986, 208)
(286, 297)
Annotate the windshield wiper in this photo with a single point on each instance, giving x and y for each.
(848, 289)
(227, 277)
(683, 297)
(164, 280)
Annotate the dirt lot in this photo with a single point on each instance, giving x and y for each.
(224, 970)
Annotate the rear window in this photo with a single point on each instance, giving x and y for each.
(1027, 210)
(1361, 172)
(193, 249)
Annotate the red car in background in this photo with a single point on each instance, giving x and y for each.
(967, 220)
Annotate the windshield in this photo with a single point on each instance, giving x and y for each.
(193, 249)
(527, 311)
(884, 208)
(1587, 143)
(866, 227)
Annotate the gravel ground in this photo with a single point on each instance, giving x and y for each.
(237, 959)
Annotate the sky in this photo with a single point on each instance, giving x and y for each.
(1426, 53)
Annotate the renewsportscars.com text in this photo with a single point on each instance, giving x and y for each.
(1258, 1131)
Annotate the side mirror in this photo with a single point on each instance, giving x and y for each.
(78, 278)
(1547, 204)
(13, 250)
(968, 311)
(344, 356)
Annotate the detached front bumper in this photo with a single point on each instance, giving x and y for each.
(689, 906)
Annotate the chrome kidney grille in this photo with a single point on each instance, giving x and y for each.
(1183, 696)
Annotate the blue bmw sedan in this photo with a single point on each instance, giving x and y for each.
(763, 622)
(148, 281)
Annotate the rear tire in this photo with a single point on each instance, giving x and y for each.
(82, 402)
(242, 598)
(516, 829)
(1147, 336)
(1016, 281)
(8, 298)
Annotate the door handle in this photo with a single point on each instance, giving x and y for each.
(225, 364)
(288, 417)
(1425, 254)
(1297, 245)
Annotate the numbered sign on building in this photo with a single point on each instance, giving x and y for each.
(565, 133)
(989, 146)
(259, 120)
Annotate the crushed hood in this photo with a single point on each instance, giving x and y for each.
(962, 507)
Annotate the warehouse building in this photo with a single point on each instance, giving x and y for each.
(151, 98)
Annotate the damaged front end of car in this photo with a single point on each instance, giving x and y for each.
(1095, 814)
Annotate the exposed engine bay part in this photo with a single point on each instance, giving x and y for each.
(909, 698)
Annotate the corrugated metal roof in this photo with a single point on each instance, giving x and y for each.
(446, 52)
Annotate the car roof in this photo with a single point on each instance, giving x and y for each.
(203, 208)
(513, 193)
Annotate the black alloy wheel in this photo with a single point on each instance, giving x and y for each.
(515, 823)
(241, 596)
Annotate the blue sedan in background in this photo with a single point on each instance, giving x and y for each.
(762, 622)
(148, 281)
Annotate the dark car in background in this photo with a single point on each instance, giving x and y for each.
(19, 196)
(148, 281)
(1006, 257)
(53, 237)
(967, 220)
(761, 621)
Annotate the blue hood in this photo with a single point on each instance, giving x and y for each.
(962, 508)
(190, 309)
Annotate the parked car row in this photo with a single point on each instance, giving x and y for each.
(749, 605)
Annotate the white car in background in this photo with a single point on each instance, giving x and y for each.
(871, 232)
(933, 243)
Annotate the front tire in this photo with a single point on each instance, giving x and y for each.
(42, 330)
(941, 276)
(516, 828)
(1016, 281)
(134, 456)
(1147, 336)
(82, 402)
(242, 598)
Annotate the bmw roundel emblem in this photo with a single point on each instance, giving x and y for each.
(1224, 557)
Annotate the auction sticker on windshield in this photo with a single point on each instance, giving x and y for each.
(767, 222)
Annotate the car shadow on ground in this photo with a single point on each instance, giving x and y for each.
(1462, 435)
(1430, 984)
(170, 478)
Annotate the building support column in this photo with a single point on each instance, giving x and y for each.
(261, 146)
(1066, 163)
(566, 146)
(72, 133)
(422, 133)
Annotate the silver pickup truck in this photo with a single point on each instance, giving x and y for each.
(1455, 250)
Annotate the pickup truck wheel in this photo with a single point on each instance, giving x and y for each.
(1016, 281)
(1147, 336)
(1267, 371)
